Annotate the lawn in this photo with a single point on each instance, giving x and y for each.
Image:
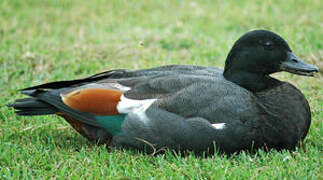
(43, 40)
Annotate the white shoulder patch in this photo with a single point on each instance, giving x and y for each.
(137, 107)
(219, 125)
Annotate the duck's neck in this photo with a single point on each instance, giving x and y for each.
(254, 82)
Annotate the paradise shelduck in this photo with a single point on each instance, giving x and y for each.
(185, 107)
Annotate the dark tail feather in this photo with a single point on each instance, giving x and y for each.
(32, 107)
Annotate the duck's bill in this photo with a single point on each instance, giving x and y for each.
(295, 65)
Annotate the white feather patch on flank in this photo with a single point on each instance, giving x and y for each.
(219, 125)
(137, 107)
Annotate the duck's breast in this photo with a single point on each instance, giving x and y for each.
(288, 111)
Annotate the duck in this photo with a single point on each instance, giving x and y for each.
(187, 107)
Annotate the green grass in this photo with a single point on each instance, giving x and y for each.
(42, 41)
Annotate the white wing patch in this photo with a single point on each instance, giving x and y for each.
(137, 107)
(219, 125)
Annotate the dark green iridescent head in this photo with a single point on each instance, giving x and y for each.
(259, 53)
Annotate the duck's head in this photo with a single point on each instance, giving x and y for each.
(259, 53)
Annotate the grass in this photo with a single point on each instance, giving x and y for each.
(47, 40)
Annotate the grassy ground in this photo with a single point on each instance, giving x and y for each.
(42, 41)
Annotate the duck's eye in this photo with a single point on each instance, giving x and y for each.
(268, 45)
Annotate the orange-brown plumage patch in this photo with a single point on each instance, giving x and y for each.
(97, 101)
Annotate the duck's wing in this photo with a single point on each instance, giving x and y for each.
(84, 103)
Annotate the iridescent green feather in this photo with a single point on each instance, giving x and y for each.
(112, 124)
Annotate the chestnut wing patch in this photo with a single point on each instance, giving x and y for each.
(109, 106)
(98, 101)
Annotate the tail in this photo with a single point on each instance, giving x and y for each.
(32, 107)
(45, 102)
